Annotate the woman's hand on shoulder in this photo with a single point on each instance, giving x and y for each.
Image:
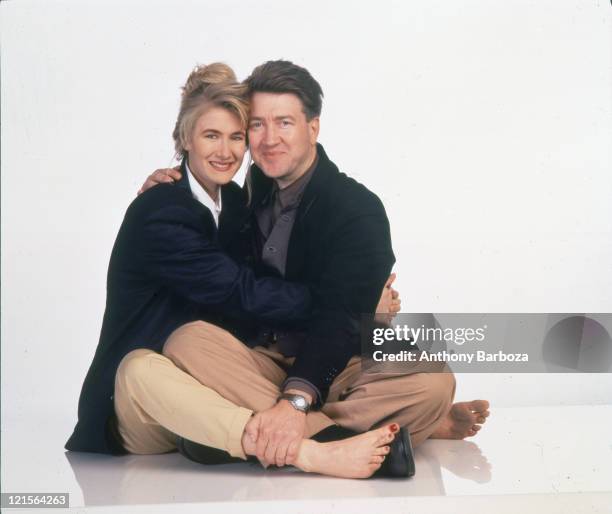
(161, 176)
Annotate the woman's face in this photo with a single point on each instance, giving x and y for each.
(216, 147)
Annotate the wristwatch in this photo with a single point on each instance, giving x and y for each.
(297, 401)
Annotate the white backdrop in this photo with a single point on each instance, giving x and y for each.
(484, 126)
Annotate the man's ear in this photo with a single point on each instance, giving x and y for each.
(313, 126)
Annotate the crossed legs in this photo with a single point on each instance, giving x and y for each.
(207, 385)
(358, 401)
(155, 401)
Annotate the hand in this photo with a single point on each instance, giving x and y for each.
(389, 304)
(278, 433)
(169, 175)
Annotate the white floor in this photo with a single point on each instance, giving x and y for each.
(527, 459)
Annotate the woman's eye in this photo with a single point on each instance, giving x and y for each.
(211, 136)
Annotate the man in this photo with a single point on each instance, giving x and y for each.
(313, 224)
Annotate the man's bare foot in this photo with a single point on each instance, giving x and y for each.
(464, 419)
(356, 457)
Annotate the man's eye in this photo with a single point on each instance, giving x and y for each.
(211, 136)
(255, 124)
(285, 123)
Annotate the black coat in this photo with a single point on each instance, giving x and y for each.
(166, 269)
(340, 246)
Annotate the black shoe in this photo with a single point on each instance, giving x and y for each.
(203, 454)
(399, 462)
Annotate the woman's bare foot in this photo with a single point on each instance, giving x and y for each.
(464, 419)
(356, 457)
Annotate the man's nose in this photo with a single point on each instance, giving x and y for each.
(271, 136)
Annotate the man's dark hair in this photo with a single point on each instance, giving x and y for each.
(286, 77)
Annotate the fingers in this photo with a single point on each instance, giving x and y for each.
(262, 447)
(395, 306)
(164, 175)
(161, 176)
(269, 454)
(252, 429)
(396, 303)
(390, 280)
(281, 454)
(175, 173)
(292, 452)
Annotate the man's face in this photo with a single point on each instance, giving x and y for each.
(282, 141)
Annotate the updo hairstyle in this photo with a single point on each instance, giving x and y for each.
(212, 85)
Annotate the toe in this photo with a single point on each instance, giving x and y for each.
(479, 405)
(476, 428)
(383, 436)
(382, 450)
(386, 439)
(373, 468)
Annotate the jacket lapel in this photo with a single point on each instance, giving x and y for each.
(305, 220)
(211, 229)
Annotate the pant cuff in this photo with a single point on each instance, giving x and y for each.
(234, 437)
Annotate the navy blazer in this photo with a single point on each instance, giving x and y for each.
(166, 269)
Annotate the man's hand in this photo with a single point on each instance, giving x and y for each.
(389, 304)
(161, 176)
(278, 432)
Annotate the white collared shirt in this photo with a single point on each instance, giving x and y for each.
(203, 197)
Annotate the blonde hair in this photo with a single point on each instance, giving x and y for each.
(207, 86)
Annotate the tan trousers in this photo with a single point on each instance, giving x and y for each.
(207, 384)
(155, 400)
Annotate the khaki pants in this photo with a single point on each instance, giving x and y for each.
(207, 384)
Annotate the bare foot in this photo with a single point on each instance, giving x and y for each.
(464, 419)
(356, 457)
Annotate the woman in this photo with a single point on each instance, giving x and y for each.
(167, 269)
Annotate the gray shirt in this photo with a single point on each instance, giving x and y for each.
(275, 220)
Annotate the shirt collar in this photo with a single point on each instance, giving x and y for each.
(200, 194)
(292, 194)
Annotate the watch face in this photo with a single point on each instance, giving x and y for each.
(301, 402)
